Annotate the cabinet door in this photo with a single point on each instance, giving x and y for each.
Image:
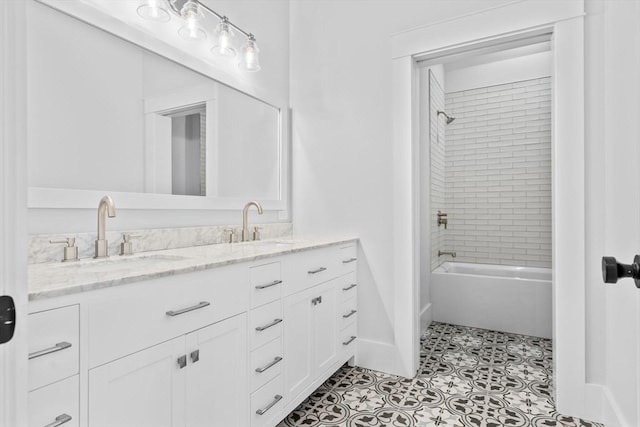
(325, 327)
(145, 389)
(217, 382)
(298, 342)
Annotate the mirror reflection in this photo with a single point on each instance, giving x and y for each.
(105, 114)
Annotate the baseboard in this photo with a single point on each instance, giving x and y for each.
(593, 397)
(612, 415)
(426, 317)
(378, 356)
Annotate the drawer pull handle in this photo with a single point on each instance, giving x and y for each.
(60, 419)
(270, 364)
(346, 316)
(60, 346)
(349, 341)
(200, 305)
(319, 270)
(195, 356)
(351, 286)
(268, 285)
(264, 410)
(274, 323)
(350, 260)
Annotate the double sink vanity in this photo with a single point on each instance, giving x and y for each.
(231, 334)
(178, 331)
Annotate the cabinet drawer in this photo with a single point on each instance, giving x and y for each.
(310, 268)
(265, 283)
(348, 342)
(348, 258)
(266, 363)
(265, 324)
(157, 310)
(266, 403)
(348, 287)
(56, 402)
(53, 345)
(348, 313)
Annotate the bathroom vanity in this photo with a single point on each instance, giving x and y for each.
(223, 335)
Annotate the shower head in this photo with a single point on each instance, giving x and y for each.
(449, 119)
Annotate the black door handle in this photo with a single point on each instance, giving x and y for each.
(612, 270)
(7, 318)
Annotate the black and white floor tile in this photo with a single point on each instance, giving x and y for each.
(468, 377)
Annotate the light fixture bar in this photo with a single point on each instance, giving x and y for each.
(176, 9)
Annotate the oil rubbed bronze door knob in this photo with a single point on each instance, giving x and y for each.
(612, 270)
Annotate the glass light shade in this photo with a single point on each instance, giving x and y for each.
(223, 39)
(154, 10)
(250, 56)
(191, 14)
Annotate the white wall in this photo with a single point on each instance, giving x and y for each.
(269, 20)
(342, 138)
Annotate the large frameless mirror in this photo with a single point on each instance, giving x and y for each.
(108, 115)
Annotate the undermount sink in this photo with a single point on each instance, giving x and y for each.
(119, 263)
(273, 243)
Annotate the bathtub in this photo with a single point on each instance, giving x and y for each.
(501, 298)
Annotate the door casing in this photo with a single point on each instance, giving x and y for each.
(13, 208)
(564, 20)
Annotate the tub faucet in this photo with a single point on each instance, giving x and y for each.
(105, 207)
(245, 221)
(452, 253)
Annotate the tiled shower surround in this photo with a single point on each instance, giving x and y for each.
(498, 174)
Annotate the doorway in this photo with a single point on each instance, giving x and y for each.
(485, 188)
(564, 21)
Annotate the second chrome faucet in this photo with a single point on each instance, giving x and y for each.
(245, 220)
(105, 207)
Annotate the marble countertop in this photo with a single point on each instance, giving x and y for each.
(48, 280)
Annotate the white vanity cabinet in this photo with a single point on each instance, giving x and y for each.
(53, 367)
(313, 319)
(190, 381)
(170, 351)
(310, 343)
(237, 345)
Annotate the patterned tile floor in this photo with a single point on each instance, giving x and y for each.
(468, 377)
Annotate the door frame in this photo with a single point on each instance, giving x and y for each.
(13, 209)
(565, 21)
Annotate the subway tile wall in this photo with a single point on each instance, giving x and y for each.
(498, 174)
(437, 185)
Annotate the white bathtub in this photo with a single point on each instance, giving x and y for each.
(501, 298)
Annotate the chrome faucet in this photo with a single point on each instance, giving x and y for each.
(452, 253)
(245, 212)
(105, 207)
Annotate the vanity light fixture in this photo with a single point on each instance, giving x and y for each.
(191, 12)
(154, 10)
(191, 29)
(223, 37)
(250, 59)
